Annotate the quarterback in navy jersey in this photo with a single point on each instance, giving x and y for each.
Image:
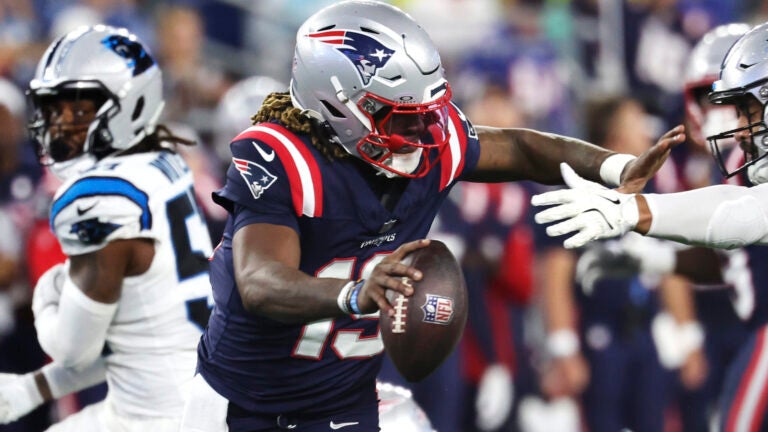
(334, 184)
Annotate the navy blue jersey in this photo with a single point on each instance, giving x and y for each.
(743, 271)
(277, 177)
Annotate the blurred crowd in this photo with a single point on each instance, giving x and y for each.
(608, 71)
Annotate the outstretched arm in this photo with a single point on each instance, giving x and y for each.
(526, 154)
(720, 216)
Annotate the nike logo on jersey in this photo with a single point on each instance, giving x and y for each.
(268, 157)
(335, 426)
(82, 211)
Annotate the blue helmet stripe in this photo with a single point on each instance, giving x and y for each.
(93, 186)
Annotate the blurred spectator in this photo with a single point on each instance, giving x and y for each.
(193, 84)
(20, 29)
(515, 56)
(132, 14)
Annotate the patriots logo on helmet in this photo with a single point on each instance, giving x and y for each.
(137, 58)
(366, 53)
(256, 176)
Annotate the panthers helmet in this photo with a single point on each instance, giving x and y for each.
(744, 75)
(360, 68)
(702, 70)
(109, 66)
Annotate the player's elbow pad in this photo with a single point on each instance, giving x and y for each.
(737, 223)
(73, 334)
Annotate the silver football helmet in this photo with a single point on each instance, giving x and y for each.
(703, 69)
(373, 79)
(237, 106)
(398, 412)
(744, 76)
(109, 66)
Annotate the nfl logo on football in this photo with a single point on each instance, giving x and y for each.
(437, 309)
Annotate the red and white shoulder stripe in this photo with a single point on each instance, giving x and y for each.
(452, 159)
(749, 407)
(302, 169)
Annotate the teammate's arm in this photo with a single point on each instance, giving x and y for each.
(525, 154)
(73, 330)
(266, 263)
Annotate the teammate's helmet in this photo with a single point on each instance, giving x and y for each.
(109, 66)
(362, 67)
(237, 106)
(744, 75)
(702, 70)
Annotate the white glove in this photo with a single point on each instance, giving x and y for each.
(18, 396)
(654, 256)
(48, 289)
(592, 210)
(675, 342)
(495, 394)
(602, 260)
(537, 415)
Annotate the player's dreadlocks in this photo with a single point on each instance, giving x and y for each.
(278, 106)
(155, 140)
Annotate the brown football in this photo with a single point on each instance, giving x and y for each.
(427, 325)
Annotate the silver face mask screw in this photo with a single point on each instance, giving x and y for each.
(369, 106)
(764, 92)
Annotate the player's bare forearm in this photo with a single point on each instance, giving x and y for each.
(266, 261)
(288, 295)
(43, 387)
(526, 154)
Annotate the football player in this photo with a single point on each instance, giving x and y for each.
(130, 302)
(720, 216)
(335, 183)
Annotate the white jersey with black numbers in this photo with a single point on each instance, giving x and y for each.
(151, 344)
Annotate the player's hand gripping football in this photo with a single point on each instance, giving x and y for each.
(639, 171)
(591, 210)
(391, 274)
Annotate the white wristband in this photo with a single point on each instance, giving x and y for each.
(691, 335)
(63, 381)
(562, 343)
(613, 166)
(342, 299)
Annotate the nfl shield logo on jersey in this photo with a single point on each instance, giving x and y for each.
(437, 309)
(256, 176)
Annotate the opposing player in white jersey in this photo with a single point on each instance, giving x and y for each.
(720, 216)
(130, 302)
